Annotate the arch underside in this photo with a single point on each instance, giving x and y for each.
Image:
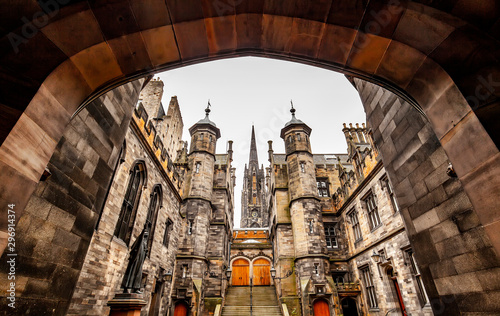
(436, 59)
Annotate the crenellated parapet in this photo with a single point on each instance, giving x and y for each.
(146, 131)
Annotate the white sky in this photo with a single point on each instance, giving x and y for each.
(254, 90)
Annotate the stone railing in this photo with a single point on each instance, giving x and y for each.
(348, 287)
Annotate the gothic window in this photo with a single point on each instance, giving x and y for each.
(331, 236)
(190, 227)
(298, 136)
(197, 167)
(371, 206)
(302, 167)
(290, 139)
(369, 287)
(201, 136)
(356, 229)
(128, 211)
(322, 187)
(311, 226)
(390, 192)
(168, 229)
(422, 295)
(154, 205)
(210, 138)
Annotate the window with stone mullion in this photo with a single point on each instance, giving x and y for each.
(125, 220)
(373, 215)
(322, 187)
(370, 288)
(422, 295)
(355, 225)
(331, 237)
(390, 192)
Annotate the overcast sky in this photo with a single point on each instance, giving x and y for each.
(250, 90)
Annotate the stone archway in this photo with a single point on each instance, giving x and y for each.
(443, 59)
(181, 309)
(321, 308)
(349, 306)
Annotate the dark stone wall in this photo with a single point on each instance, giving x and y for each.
(55, 230)
(459, 266)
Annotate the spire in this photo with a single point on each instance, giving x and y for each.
(253, 149)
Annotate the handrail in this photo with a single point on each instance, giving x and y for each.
(251, 296)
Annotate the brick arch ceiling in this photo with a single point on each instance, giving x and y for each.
(55, 54)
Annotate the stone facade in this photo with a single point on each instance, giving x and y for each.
(317, 255)
(106, 259)
(56, 229)
(191, 224)
(458, 263)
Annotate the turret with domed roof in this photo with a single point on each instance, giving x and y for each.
(311, 262)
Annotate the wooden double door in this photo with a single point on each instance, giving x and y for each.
(261, 272)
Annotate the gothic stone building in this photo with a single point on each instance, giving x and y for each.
(186, 198)
(340, 246)
(253, 195)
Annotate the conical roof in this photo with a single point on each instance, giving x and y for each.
(204, 123)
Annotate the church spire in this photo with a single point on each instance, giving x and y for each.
(253, 149)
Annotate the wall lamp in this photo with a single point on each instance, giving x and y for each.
(168, 276)
(227, 272)
(273, 274)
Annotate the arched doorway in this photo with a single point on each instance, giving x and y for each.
(349, 307)
(321, 308)
(396, 292)
(181, 309)
(261, 272)
(241, 272)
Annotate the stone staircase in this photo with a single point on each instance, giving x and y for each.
(264, 302)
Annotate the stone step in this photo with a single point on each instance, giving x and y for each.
(237, 302)
(245, 310)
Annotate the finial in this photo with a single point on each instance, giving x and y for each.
(207, 110)
(292, 110)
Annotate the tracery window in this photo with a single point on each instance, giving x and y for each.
(123, 229)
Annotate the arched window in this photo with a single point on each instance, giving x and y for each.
(154, 205)
(126, 219)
